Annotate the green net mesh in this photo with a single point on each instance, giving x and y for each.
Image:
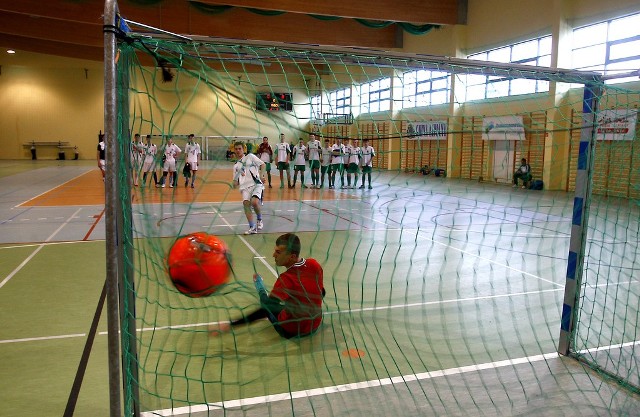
(444, 284)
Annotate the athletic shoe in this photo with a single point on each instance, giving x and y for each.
(524, 188)
(170, 185)
(163, 185)
(370, 187)
(361, 187)
(251, 231)
(259, 225)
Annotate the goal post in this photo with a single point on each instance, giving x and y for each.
(579, 222)
(113, 214)
(221, 109)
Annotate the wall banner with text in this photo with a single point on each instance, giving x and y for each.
(503, 128)
(616, 124)
(435, 130)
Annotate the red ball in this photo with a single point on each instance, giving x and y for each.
(199, 263)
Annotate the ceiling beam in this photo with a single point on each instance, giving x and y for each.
(51, 47)
(179, 17)
(441, 12)
(45, 28)
(64, 24)
(294, 28)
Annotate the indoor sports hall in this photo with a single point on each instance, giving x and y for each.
(477, 225)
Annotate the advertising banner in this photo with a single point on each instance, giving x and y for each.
(435, 130)
(616, 124)
(503, 128)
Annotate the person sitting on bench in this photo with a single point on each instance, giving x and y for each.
(523, 173)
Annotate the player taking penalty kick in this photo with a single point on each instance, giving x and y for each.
(294, 306)
(248, 174)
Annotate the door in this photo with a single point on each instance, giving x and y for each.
(503, 154)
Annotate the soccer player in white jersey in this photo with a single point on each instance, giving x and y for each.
(313, 148)
(192, 150)
(325, 162)
(366, 160)
(354, 163)
(149, 151)
(282, 160)
(299, 155)
(337, 163)
(248, 174)
(135, 152)
(171, 152)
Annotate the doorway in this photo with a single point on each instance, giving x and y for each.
(503, 154)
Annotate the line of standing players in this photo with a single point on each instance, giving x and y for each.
(325, 161)
(144, 158)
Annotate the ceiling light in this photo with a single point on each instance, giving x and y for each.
(11, 51)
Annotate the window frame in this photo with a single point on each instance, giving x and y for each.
(421, 92)
(535, 59)
(604, 66)
(375, 97)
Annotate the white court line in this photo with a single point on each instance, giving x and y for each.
(37, 339)
(327, 313)
(349, 311)
(23, 263)
(493, 262)
(453, 300)
(251, 248)
(336, 389)
(610, 347)
(50, 190)
(70, 242)
(420, 231)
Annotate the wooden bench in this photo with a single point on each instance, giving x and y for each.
(58, 144)
(61, 145)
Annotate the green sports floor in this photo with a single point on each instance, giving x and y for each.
(443, 298)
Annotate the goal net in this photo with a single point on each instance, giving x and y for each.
(443, 281)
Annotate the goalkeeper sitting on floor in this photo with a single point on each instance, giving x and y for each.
(294, 306)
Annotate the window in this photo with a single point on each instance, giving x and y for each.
(340, 101)
(610, 47)
(375, 96)
(425, 88)
(316, 107)
(535, 52)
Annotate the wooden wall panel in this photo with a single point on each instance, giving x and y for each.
(574, 146)
(417, 153)
(534, 145)
(615, 166)
(378, 134)
(474, 150)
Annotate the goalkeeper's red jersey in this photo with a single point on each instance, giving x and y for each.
(300, 287)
